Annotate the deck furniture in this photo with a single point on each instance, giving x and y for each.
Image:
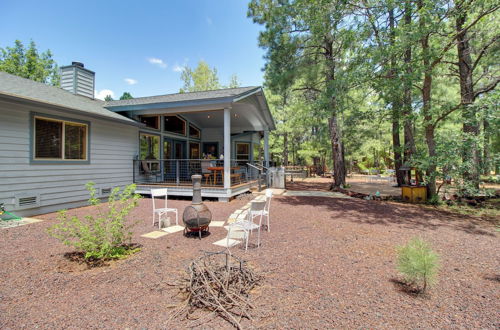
(219, 169)
(207, 174)
(148, 171)
(163, 192)
(247, 225)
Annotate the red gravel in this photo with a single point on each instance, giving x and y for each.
(326, 263)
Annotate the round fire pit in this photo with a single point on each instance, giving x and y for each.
(196, 219)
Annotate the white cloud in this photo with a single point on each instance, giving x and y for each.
(209, 20)
(130, 81)
(157, 61)
(178, 68)
(103, 93)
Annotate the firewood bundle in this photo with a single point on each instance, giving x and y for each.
(220, 282)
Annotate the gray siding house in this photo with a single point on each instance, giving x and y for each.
(53, 141)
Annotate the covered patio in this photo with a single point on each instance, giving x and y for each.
(222, 135)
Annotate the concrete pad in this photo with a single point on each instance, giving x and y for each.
(236, 234)
(276, 191)
(154, 234)
(4, 224)
(31, 220)
(217, 223)
(173, 229)
(227, 243)
(236, 228)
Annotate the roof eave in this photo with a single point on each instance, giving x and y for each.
(24, 100)
(171, 105)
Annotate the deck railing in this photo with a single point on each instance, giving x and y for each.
(178, 172)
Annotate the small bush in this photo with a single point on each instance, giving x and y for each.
(102, 237)
(418, 264)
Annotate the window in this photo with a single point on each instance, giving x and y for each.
(194, 150)
(194, 132)
(243, 151)
(151, 121)
(59, 139)
(174, 124)
(211, 149)
(150, 146)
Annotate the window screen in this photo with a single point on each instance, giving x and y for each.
(48, 139)
(75, 141)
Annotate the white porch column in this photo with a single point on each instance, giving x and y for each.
(227, 148)
(266, 148)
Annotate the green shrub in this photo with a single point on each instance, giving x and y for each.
(102, 237)
(435, 200)
(418, 264)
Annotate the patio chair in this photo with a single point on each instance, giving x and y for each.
(207, 174)
(269, 196)
(162, 210)
(148, 172)
(247, 225)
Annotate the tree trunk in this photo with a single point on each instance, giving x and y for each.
(470, 154)
(285, 149)
(486, 147)
(396, 144)
(426, 110)
(339, 172)
(409, 140)
(396, 109)
(338, 156)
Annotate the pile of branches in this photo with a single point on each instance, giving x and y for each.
(219, 282)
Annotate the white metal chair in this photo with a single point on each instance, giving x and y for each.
(247, 225)
(162, 210)
(269, 196)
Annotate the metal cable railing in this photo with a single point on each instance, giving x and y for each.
(178, 172)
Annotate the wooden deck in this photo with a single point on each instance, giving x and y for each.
(206, 190)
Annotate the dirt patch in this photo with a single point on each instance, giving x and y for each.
(326, 263)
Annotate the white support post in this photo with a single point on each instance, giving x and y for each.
(266, 148)
(227, 148)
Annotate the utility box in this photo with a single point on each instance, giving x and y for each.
(414, 194)
(276, 177)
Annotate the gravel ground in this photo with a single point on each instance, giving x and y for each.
(326, 263)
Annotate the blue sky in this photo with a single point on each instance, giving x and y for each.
(139, 46)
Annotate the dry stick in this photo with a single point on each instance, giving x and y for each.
(220, 305)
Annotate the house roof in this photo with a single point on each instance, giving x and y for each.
(183, 97)
(247, 99)
(17, 88)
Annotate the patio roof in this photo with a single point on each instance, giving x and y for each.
(249, 103)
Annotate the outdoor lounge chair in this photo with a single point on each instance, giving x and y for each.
(148, 172)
